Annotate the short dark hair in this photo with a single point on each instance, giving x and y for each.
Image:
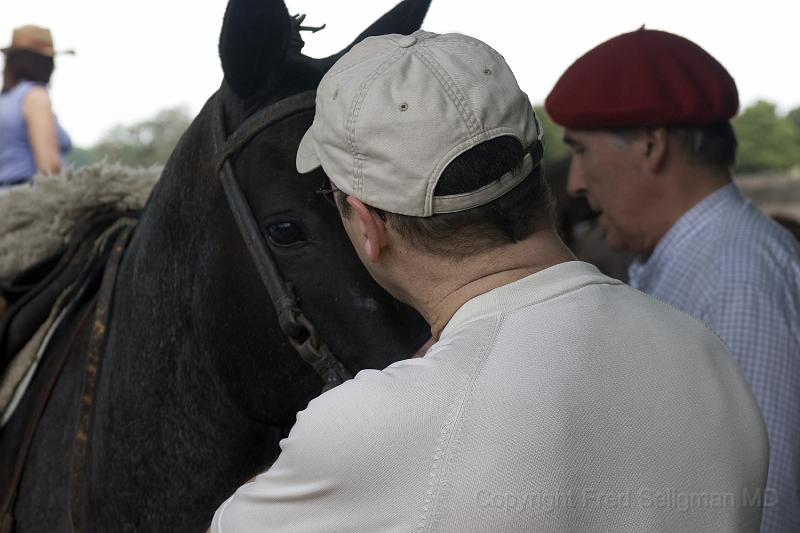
(524, 210)
(26, 65)
(712, 145)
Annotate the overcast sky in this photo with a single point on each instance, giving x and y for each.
(135, 58)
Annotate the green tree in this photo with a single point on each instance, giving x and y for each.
(79, 157)
(554, 147)
(794, 118)
(145, 143)
(767, 141)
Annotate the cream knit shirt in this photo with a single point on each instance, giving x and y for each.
(565, 401)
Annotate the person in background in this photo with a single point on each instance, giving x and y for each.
(31, 139)
(653, 151)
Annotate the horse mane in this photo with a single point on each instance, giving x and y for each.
(37, 219)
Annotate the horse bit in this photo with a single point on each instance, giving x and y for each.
(299, 330)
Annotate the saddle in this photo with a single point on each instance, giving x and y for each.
(54, 298)
(31, 294)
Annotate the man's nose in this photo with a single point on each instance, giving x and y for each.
(576, 184)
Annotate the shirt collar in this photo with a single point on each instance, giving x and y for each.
(536, 288)
(686, 228)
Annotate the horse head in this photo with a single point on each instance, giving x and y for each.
(260, 48)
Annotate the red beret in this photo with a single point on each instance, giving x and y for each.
(643, 78)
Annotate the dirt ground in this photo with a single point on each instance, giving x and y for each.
(776, 194)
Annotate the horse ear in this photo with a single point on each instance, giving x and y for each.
(406, 17)
(254, 41)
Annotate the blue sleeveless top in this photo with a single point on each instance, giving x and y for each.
(16, 157)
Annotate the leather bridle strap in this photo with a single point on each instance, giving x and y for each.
(295, 325)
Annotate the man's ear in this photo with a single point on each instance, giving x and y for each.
(370, 227)
(656, 148)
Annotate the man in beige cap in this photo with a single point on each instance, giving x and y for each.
(554, 398)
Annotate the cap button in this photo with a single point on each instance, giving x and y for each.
(406, 41)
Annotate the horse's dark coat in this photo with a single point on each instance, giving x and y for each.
(198, 383)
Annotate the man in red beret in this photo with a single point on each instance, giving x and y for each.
(647, 115)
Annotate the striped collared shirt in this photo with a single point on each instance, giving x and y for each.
(727, 264)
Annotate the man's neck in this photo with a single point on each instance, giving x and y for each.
(439, 287)
(693, 188)
(689, 187)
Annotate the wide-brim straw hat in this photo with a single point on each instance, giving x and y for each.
(34, 38)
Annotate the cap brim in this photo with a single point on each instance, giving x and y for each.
(307, 159)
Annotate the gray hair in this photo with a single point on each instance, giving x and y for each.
(713, 145)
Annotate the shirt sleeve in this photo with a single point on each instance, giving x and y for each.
(299, 491)
(340, 469)
(759, 325)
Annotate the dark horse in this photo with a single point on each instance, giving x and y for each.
(196, 382)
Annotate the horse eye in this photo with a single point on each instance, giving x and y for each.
(285, 234)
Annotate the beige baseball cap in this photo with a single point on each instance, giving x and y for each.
(395, 110)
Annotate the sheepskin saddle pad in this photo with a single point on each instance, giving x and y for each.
(36, 219)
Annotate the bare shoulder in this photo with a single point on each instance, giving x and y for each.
(37, 98)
